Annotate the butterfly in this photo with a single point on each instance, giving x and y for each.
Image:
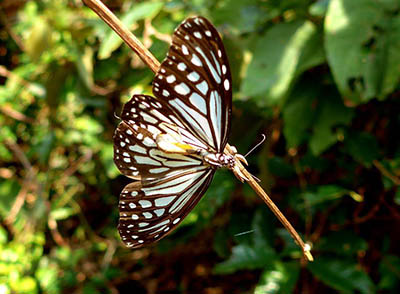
(173, 143)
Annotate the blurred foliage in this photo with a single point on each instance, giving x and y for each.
(319, 78)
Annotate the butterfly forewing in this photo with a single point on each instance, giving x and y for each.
(195, 81)
(149, 210)
(135, 150)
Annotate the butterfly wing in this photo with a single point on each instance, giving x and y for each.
(136, 153)
(149, 210)
(195, 81)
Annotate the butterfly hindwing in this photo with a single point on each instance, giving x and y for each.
(195, 81)
(149, 210)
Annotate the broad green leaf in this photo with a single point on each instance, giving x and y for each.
(276, 59)
(341, 274)
(363, 47)
(138, 12)
(279, 278)
(257, 254)
(245, 257)
(331, 113)
(363, 147)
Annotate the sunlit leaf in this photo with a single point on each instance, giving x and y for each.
(138, 12)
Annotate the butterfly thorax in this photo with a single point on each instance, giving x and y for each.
(219, 160)
(173, 142)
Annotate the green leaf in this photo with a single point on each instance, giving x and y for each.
(138, 12)
(363, 147)
(368, 32)
(280, 278)
(84, 64)
(62, 213)
(390, 275)
(278, 167)
(341, 274)
(344, 243)
(327, 193)
(299, 114)
(258, 254)
(331, 113)
(245, 257)
(276, 60)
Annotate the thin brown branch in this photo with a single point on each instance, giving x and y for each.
(386, 173)
(105, 14)
(154, 64)
(26, 185)
(7, 110)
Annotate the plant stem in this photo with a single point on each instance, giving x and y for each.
(106, 15)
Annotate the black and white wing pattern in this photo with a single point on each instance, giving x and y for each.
(161, 142)
(136, 153)
(195, 80)
(149, 210)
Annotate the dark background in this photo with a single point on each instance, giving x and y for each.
(319, 78)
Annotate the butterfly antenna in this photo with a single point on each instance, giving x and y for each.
(258, 144)
(116, 116)
(244, 233)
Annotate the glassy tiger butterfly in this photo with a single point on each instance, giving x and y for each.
(172, 144)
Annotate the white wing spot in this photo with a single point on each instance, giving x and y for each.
(196, 61)
(122, 144)
(165, 93)
(137, 148)
(134, 193)
(181, 66)
(127, 160)
(226, 84)
(147, 215)
(171, 79)
(199, 102)
(187, 37)
(208, 33)
(182, 89)
(143, 224)
(176, 220)
(135, 216)
(193, 76)
(145, 203)
(129, 132)
(140, 241)
(132, 205)
(197, 35)
(134, 237)
(164, 201)
(163, 70)
(158, 170)
(219, 53)
(139, 136)
(159, 212)
(166, 229)
(223, 69)
(185, 50)
(203, 87)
